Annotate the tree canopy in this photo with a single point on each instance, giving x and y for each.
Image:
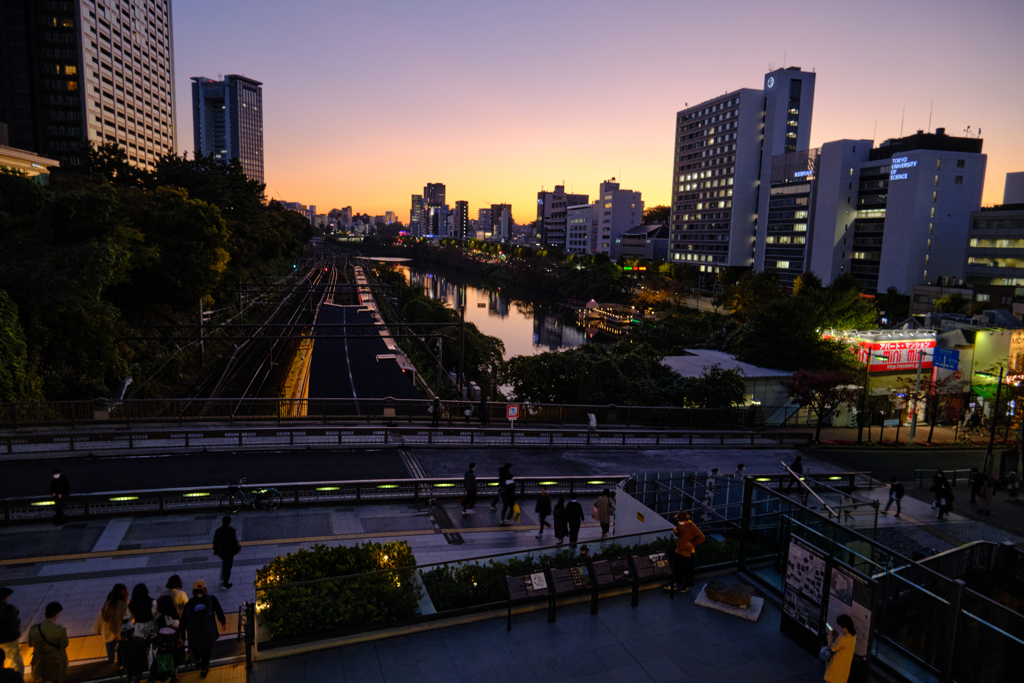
(107, 245)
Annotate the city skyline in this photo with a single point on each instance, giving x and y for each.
(588, 93)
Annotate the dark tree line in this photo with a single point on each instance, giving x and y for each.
(107, 246)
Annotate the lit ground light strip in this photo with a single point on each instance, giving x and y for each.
(122, 499)
(387, 486)
(443, 486)
(595, 482)
(547, 483)
(328, 488)
(763, 479)
(195, 495)
(835, 478)
(43, 503)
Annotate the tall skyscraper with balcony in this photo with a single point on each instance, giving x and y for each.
(76, 71)
(723, 150)
(227, 121)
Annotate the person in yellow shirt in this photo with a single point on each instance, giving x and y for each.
(844, 642)
(688, 537)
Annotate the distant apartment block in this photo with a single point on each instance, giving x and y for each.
(308, 211)
(618, 211)
(75, 71)
(227, 121)
(461, 228)
(552, 207)
(582, 223)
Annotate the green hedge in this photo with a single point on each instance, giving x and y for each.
(469, 585)
(336, 601)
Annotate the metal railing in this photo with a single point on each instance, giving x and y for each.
(253, 437)
(360, 410)
(200, 498)
(954, 476)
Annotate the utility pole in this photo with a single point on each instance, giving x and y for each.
(917, 394)
(462, 346)
(202, 354)
(440, 364)
(995, 423)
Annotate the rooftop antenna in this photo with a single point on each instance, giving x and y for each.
(784, 59)
(930, 106)
(902, 116)
(874, 134)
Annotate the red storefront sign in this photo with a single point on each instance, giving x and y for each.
(899, 355)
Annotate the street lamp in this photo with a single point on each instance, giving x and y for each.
(864, 393)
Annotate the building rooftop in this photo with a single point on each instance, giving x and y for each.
(696, 360)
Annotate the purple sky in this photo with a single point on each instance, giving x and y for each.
(365, 102)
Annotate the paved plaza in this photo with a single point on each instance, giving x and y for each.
(78, 563)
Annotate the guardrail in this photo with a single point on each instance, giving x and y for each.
(962, 475)
(352, 410)
(177, 501)
(375, 437)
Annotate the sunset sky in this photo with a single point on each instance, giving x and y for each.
(366, 102)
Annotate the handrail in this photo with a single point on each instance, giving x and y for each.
(340, 435)
(178, 500)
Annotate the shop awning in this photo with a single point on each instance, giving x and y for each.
(985, 390)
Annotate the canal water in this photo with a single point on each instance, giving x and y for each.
(526, 326)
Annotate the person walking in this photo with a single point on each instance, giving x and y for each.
(543, 509)
(1012, 483)
(985, 496)
(605, 508)
(469, 484)
(142, 610)
(483, 410)
(574, 516)
(945, 496)
(591, 422)
(508, 499)
(60, 489)
(175, 591)
(435, 411)
(840, 650)
(688, 537)
(199, 621)
(561, 519)
(169, 654)
(49, 643)
(226, 546)
(797, 468)
(504, 473)
(10, 631)
(896, 493)
(111, 618)
(741, 471)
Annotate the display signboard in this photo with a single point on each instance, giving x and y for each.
(851, 593)
(612, 572)
(527, 588)
(571, 579)
(891, 356)
(805, 585)
(946, 359)
(654, 566)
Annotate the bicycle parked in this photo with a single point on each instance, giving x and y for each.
(268, 499)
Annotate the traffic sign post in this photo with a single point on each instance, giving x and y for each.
(512, 413)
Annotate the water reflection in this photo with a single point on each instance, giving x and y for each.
(526, 327)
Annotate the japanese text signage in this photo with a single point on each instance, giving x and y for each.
(947, 359)
(898, 355)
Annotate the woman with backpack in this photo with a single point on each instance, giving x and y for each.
(111, 618)
(199, 620)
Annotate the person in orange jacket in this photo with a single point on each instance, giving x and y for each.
(688, 537)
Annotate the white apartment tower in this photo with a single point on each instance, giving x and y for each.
(99, 71)
(723, 149)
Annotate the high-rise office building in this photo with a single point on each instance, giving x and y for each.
(501, 221)
(77, 71)
(416, 218)
(899, 214)
(483, 221)
(550, 229)
(227, 121)
(723, 149)
(433, 194)
(461, 227)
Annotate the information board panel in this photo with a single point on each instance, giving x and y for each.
(805, 585)
(567, 580)
(612, 572)
(851, 593)
(654, 566)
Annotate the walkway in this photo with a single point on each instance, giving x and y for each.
(661, 640)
